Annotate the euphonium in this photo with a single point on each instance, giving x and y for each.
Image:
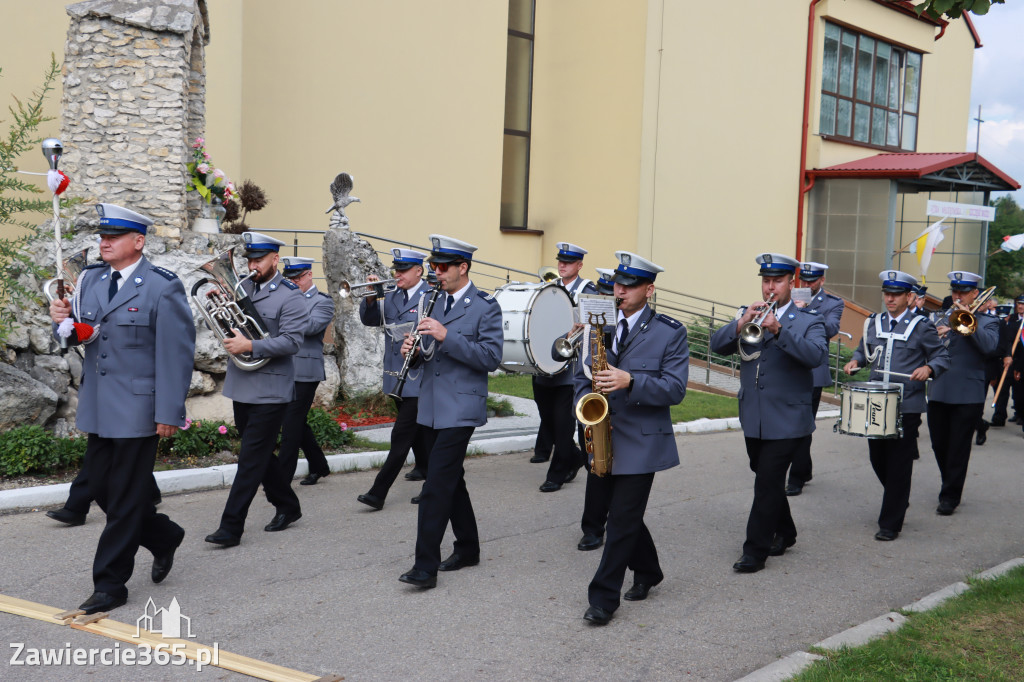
(592, 409)
(963, 322)
(226, 306)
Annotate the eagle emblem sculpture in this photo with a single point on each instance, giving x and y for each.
(340, 189)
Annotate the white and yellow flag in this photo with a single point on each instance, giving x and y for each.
(925, 244)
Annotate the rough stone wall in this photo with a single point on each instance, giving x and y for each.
(134, 86)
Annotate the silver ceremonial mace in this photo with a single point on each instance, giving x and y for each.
(53, 150)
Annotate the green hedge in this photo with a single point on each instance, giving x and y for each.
(32, 449)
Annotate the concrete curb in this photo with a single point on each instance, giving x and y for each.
(859, 635)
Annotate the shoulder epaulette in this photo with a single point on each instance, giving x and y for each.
(290, 284)
(325, 295)
(675, 324)
(833, 296)
(165, 273)
(486, 296)
(872, 316)
(94, 265)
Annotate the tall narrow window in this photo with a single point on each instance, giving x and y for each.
(869, 91)
(515, 171)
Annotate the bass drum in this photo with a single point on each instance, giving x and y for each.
(532, 317)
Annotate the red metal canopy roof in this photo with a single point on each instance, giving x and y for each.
(960, 167)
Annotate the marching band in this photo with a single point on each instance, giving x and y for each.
(616, 373)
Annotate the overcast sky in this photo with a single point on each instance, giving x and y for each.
(998, 87)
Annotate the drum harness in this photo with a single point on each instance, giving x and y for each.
(889, 338)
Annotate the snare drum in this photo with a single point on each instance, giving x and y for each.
(870, 409)
(532, 317)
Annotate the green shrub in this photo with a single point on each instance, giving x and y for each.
(68, 452)
(24, 449)
(501, 408)
(199, 439)
(327, 432)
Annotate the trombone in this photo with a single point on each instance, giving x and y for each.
(367, 289)
(964, 322)
(752, 332)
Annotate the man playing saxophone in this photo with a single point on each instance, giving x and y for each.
(780, 345)
(647, 369)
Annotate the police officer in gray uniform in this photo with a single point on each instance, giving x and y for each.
(400, 307)
(309, 372)
(648, 366)
(462, 342)
(956, 400)
(260, 397)
(776, 386)
(553, 394)
(135, 376)
(899, 341)
(830, 309)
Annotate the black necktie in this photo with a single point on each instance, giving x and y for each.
(256, 288)
(892, 325)
(114, 277)
(448, 304)
(623, 334)
(405, 297)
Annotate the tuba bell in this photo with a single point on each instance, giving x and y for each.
(71, 271)
(225, 306)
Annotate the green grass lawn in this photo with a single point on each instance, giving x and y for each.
(978, 635)
(696, 404)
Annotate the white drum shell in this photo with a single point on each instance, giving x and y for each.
(870, 409)
(532, 317)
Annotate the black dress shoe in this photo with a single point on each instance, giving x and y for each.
(885, 535)
(780, 545)
(550, 486)
(415, 475)
(415, 500)
(748, 564)
(101, 601)
(998, 422)
(572, 474)
(794, 489)
(282, 521)
(65, 515)
(311, 479)
(597, 615)
(419, 578)
(945, 508)
(371, 501)
(457, 561)
(537, 459)
(590, 542)
(982, 435)
(639, 591)
(162, 562)
(223, 538)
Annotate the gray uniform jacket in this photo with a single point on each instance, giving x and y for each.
(830, 309)
(395, 312)
(657, 355)
(138, 367)
(283, 309)
(775, 389)
(921, 347)
(453, 387)
(965, 382)
(309, 361)
(565, 377)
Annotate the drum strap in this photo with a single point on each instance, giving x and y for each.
(890, 338)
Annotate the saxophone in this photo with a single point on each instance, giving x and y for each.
(592, 409)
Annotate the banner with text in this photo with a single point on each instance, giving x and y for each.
(946, 209)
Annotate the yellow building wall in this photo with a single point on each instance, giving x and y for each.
(726, 123)
(587, 105)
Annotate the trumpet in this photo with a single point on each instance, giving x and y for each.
(368, 289)
(567, 346)
(752, 332)
(964, 322)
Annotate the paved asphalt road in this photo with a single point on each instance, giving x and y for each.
(323, 597)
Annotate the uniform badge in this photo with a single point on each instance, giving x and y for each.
(466, 300)
(273, 287)
(138, 280)
(791, 316)
(103, 276)
(133, 310)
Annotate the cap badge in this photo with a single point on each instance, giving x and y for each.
(626, 258)
(99, 209)
(436, 243)
(958, 276)
(247, 238)
(892, 274)
(767, 258)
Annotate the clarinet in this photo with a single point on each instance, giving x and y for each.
(417, 342)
